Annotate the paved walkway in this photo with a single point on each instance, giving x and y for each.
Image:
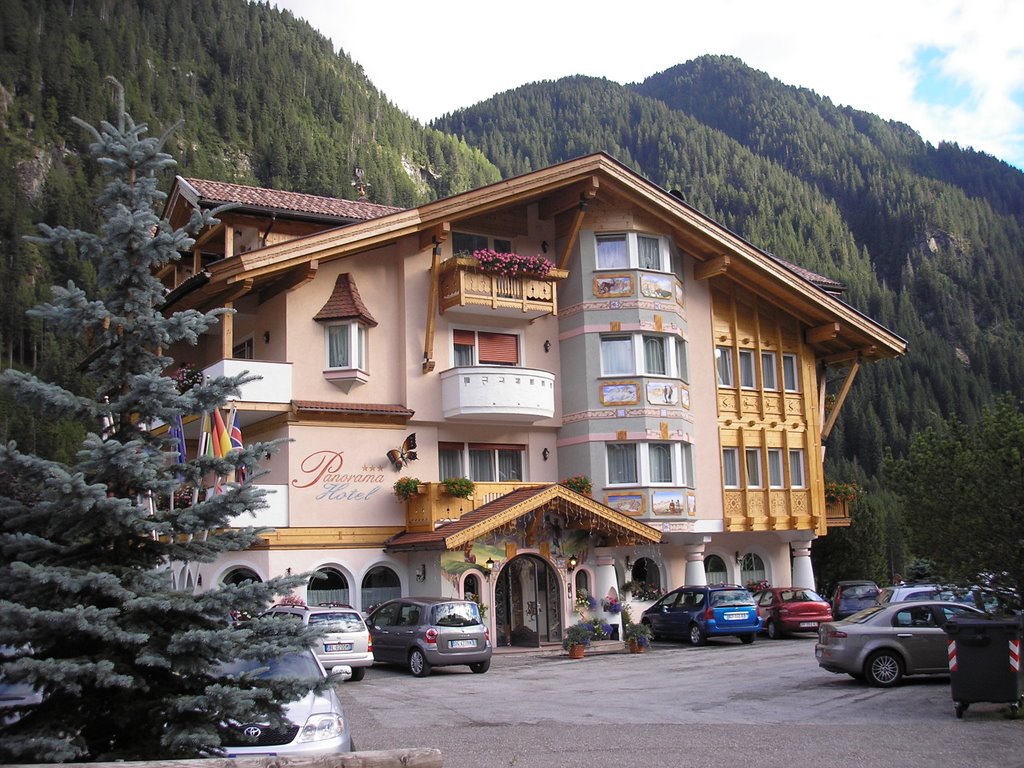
(596, 648)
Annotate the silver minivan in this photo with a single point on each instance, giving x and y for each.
(427, 632)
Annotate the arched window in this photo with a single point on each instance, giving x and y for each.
(379, 584)
(582, 581)
(327, 586)
(751, 569)
(714, 570)
(471, 587)
(645, 571)
(240, 575)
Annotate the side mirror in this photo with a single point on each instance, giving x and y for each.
(341, 672)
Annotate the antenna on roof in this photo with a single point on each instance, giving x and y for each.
(359, 184)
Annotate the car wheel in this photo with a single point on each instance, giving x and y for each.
(748, 639)
(773, 630)
(480, 667)
(358, 673)
(883, 669)
(697, 636)
(418, 663)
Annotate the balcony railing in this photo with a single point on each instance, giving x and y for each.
(837, 514)
(464, 286)
(432, 506)
(274, 386)
(497, 393)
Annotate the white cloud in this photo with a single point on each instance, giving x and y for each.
(433, 58)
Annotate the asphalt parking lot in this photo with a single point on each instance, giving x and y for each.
(726, 704)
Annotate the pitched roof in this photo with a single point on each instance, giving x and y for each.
(222, 192)
(345, 303)
(518, 503)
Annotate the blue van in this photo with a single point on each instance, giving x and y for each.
(697, 613)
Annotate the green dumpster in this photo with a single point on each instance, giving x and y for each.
(984, 662)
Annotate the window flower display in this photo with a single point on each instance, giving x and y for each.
(512, 264)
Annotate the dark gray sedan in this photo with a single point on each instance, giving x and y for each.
(883, 643)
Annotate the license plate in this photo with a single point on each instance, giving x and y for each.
(811, 624)
(462, 644)
(336, 647)
(735, 616)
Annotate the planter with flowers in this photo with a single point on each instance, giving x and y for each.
(577, 638)
(459, 487)
(579, 483)
(407, 487)
(841, 492)
(636, 636)
(512, 264)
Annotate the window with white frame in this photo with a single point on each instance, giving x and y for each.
(660, 463)
(723, 366)
(796, 468)
(481, 462)
(730, 468)
(642, 354)
(632, 250)
(769, 375)
(346, 346)
(484, 348)
(753, 465)
(622, 464)
(748, 376)
(790, 379)
(775, 474)
(681, 362)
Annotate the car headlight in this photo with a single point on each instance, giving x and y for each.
(322, 727)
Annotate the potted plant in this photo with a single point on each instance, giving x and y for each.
(459, 487)
(636, 636)
(579, 483)
(577, 638)
(841, 492)
(406, 487)
(512, 264)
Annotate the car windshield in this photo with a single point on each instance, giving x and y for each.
(297, 666)
(732, 597)
(800, 596)
(456, 615)
(866, 615)
(338, 621)
(859, 592)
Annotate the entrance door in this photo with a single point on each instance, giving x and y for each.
(528, 604)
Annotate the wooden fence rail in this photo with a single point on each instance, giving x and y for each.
(391, 758)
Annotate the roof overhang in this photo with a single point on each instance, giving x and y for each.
(583, 511)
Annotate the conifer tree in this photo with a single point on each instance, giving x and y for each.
(126, 663)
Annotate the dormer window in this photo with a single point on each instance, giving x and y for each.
(346, 321)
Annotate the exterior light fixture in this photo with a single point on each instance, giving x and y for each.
(489, 567)
(545, 453)
(421, 572)
(571, 564)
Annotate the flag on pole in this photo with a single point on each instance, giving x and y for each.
(206, 448)
(177, 433)
(221, 440)
(236, 439)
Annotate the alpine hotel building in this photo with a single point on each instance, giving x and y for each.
(676, 366)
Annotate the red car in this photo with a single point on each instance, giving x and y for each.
(791, 609)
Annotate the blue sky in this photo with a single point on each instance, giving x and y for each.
(952, 70)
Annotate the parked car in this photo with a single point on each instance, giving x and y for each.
(317, 724)
(883, 643)
(909, 591)
(791, 609)
(848, 597)
(345, 639)
(427, 632)
(15, 697)
(699, 612)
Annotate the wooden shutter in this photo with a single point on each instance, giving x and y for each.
(497, 348)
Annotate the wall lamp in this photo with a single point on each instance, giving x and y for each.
(488, 567)
(571, 564)
(547, 345)
(544, 245)
(266, 337)
(545, 453)
(421, 572)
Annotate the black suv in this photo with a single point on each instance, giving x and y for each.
(699, 612)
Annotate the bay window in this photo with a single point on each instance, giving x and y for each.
(790, 380)
(346, 346)
(730, 468)
(631, 250)
(643, 355)
(723, 366)
(622, 468)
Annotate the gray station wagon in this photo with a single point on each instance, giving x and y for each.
(427, 632)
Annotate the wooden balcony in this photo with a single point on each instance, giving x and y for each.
(837, 514)
(432, 506)
(464, 287)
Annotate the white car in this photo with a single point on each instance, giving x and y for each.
(344, 638)
(317, 721)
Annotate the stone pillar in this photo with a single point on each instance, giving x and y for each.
(695, 575)
(803, 571)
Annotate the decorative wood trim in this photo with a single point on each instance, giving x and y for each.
(432, 298)
(712, 268)
(822, 333)
(435, 235)
(851, 374)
